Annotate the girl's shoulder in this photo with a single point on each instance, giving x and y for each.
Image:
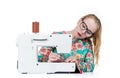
(84, 42)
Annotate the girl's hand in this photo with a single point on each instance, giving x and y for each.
(71, 59)
(53, 57)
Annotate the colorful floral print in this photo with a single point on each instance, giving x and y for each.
(81, 49)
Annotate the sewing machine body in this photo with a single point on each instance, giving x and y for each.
(27, 53)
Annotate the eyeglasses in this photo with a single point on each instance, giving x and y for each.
(83, 26)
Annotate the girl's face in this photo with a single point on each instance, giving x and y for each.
(85, 28)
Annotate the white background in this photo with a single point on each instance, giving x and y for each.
(16, 17)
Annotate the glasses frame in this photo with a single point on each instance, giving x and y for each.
(88, 32)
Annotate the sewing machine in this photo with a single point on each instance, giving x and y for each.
(28, 51)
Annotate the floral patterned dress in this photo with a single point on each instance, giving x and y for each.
(81, 49)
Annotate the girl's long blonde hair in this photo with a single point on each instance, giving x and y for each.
(97, 35)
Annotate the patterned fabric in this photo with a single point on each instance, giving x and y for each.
(81, 50)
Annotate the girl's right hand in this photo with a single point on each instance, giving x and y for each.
(71, 59)
(53, 57)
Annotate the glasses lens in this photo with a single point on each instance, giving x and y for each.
(83, 26)
(88, 33)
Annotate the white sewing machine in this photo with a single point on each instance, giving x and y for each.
(28, 51)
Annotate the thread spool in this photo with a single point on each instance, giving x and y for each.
(35, 27)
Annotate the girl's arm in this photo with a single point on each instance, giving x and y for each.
(44, 53)
(86, 65)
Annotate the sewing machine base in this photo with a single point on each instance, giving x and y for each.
(47, 68)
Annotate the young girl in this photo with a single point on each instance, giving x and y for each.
(86, 36)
